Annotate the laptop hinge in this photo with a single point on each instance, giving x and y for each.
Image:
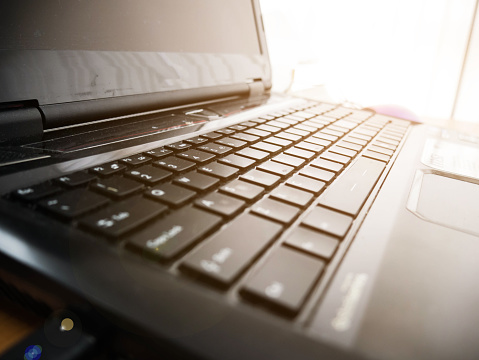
(20, 122)
(256, 87)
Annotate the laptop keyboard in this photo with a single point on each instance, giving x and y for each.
(292, 182)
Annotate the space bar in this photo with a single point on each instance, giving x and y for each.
(349, 192)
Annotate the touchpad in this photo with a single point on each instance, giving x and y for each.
(446, 201)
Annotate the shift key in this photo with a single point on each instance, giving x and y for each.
(349, 192)
(229, 252)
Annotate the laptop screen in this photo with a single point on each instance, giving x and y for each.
(207, 26)
(55, 51)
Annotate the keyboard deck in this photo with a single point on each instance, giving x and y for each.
(292, 182)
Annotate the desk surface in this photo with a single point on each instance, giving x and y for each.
(15, 324)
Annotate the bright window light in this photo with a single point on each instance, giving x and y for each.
(407, 52)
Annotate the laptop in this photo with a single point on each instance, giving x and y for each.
(155, 191)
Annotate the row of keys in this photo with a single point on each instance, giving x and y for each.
(205, 163)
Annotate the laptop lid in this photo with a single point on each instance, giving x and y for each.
(81, 63)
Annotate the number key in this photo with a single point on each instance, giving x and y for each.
(148, 174)
(108, 169)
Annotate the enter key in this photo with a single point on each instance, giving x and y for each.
(349, 192)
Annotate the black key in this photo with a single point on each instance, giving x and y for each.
(220, 204)
(297, 132)
(122, 217)
(294, 118)
(351, 146)
(280, 113)
(148, 174)
(196, 181)
(276, 168)
(278, 124)
(178, 146)
(237, 161)
(76, 179)
(136, 160)
(313, 242)
(237, 127)
(261, 178)
(303, 114)
(400, 123)
(363, 131)
(287, 120)
(315, 125)
(327, 165)
(329, 131)
(336, 157)
(170, 194)
(324, 136)
(233, 143)
(275, 210)
(253, 154)
(197, 140)
(357, 182)
(197, 156)
(373, 127)
(394, 130)
(212, 135)
(170, 236)
(231, 250)
(215, 148)
(387, 141)
(36, 192)
(73, 203)
(248, 124)
(381, 150)
(376, 156)
(322, 120)
(267, 117)
(108, 169)
(354, 140)
(158, 153)
(245, 137)
(117, 187)
(304, 154)
(258, 121)
(303, 127)
(291, 195)
(307, 184)
(342, 151)
(285, 280)
(172, 163)
(289, 160)
(318, 174)
(225, 131)
(309, 146)
(221, 171)
(242, 190)
(288, 136)
(354, 134)
(277, 141)
(337, 129)
(269, 128)
(256, 132)
(263, 146)
(384, 145)
(328, 221)
(346, 124)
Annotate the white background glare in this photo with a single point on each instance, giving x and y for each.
(409, 52)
